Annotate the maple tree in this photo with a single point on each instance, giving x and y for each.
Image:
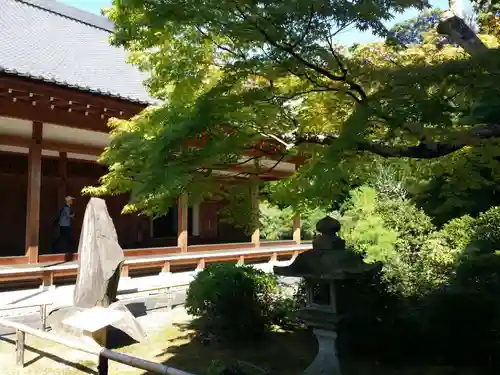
(232, 74)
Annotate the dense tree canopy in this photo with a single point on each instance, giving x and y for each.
(231, 74)
(411, 31)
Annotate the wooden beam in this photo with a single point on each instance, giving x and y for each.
(18, 141)
(34, 187)
(54, 90)
(254, 197)
(26, 111)
(72, 148)
(296, 228)
(248, 171)
(182, 223)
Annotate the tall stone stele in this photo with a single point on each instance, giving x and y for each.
(100, 259)
(327, 263)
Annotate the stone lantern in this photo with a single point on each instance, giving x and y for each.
(327, 263)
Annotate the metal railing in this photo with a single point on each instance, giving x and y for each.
(166, 289)
(103, 354)
(41, 306)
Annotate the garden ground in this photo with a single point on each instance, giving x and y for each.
(284, 353)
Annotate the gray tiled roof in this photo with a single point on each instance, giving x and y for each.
(50, 41)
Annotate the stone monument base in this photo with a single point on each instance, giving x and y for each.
(326, 361)
(72, 321)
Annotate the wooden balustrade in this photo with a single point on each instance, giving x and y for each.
(163, 261)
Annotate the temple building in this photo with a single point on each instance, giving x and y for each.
(60, 82)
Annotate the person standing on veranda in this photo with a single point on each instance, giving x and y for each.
(65, 222)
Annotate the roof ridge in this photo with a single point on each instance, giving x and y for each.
(75, 14)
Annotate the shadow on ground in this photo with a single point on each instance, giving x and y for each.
(56, 358)
(280, 353)
(118, 339)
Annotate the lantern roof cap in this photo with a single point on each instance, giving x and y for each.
(329, 258)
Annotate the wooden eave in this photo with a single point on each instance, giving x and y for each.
(32, 100)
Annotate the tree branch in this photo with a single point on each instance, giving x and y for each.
(426, 149)
(306, 29)
(260, 171)
(290, 50)
(237, 54)
(460, 33)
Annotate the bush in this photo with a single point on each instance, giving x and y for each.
(233, 302)
(467, 311)
(459, 268)
(284, 312)
(394, 232)
(486, 236)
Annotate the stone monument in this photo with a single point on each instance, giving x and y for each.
(95, 306)
(328, 261)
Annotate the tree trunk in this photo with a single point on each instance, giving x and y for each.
(460, 33)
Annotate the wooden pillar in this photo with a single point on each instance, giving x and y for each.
(20, 341)
(241, 260)
(254, 197)
(296, 228)
(47, 279)
(166, 267)
(182, 222)
(196, 219)
(201, 265)
(297, 236)
(33, 196)
(63, 177)
(124, 273)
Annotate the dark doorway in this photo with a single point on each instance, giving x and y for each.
(166, 226)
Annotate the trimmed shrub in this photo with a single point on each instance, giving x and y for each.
(486, 238)
(232, 302)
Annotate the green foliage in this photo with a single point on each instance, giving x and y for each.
(458, 233)
(309, 218)
(466, 182)
(233, 302)
(486, 237)
(411, 31)
(232, 75)
(285, 311)
(363, 228)
(489, 23)
(276, 222)
(466, 311)
(388, 228)
(238, 210)
(286, 307)
(433, 306)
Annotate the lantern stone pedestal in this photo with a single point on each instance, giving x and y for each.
(326, 361)
(327, 262)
